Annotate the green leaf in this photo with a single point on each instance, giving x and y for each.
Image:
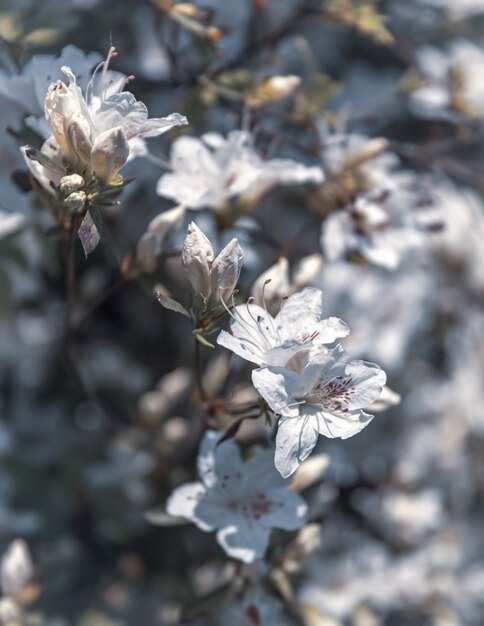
(90, 231)
(170, 304)
(199, 337)
(36, 155)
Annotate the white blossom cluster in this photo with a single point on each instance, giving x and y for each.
(259, 318)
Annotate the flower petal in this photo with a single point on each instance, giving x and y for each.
(246, 541)
(288, 510)
(295, 440)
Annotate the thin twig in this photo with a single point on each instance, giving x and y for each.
(198, 371)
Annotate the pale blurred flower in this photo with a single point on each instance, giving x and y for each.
(211, 170)
(241, 501)
(454, 85)
(16, 569)
(380, 226)
(11, 223)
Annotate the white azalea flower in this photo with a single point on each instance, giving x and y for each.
(453, 81)
(94, 131)
(241, 501)
(265, 340)
(351, 151)
(380, 226)
(29, 87)
(209, 171)
(326, 397)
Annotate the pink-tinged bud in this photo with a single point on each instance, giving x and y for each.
(225, 270)
(109, 153)
(197, 258)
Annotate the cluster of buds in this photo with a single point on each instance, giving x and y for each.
(212, 279)
(74, 198)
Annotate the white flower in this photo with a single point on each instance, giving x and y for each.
(326, 397)
(16, 568)
(453, 81)
(341, 152)
(29, 88)
(241, 501)
(380, 226)
(210, 276)
(209, 171)
(266, 340)
(94, 131)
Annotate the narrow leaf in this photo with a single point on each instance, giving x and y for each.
(170, 304)
(36, 155)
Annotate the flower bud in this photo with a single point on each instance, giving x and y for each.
(157, 235)
(109, 153)
(272, 89)
(79, 134)
(75, 202)
(272, 285)
(197, 257)
(71, 183)
(225, 270)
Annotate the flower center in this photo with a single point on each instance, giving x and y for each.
(257, 506)
(333, 394)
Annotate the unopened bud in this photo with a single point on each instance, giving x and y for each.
(272, 285)
(213, 33)
(197, 257)
(371, 150)
(16, 568)
(225, 270)
(281, 86)
(184, 8)
(272, 89)
(158, 234)
(75, 202)
(109, 153)
(79, 133)
(70, 183)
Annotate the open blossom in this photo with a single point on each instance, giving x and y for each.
(325, 398)
(242, 501)
(29, 87)
(453, 83)
(266, 340)
(381, 226)
(92, 132)
(209, 171)
(207, 274)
